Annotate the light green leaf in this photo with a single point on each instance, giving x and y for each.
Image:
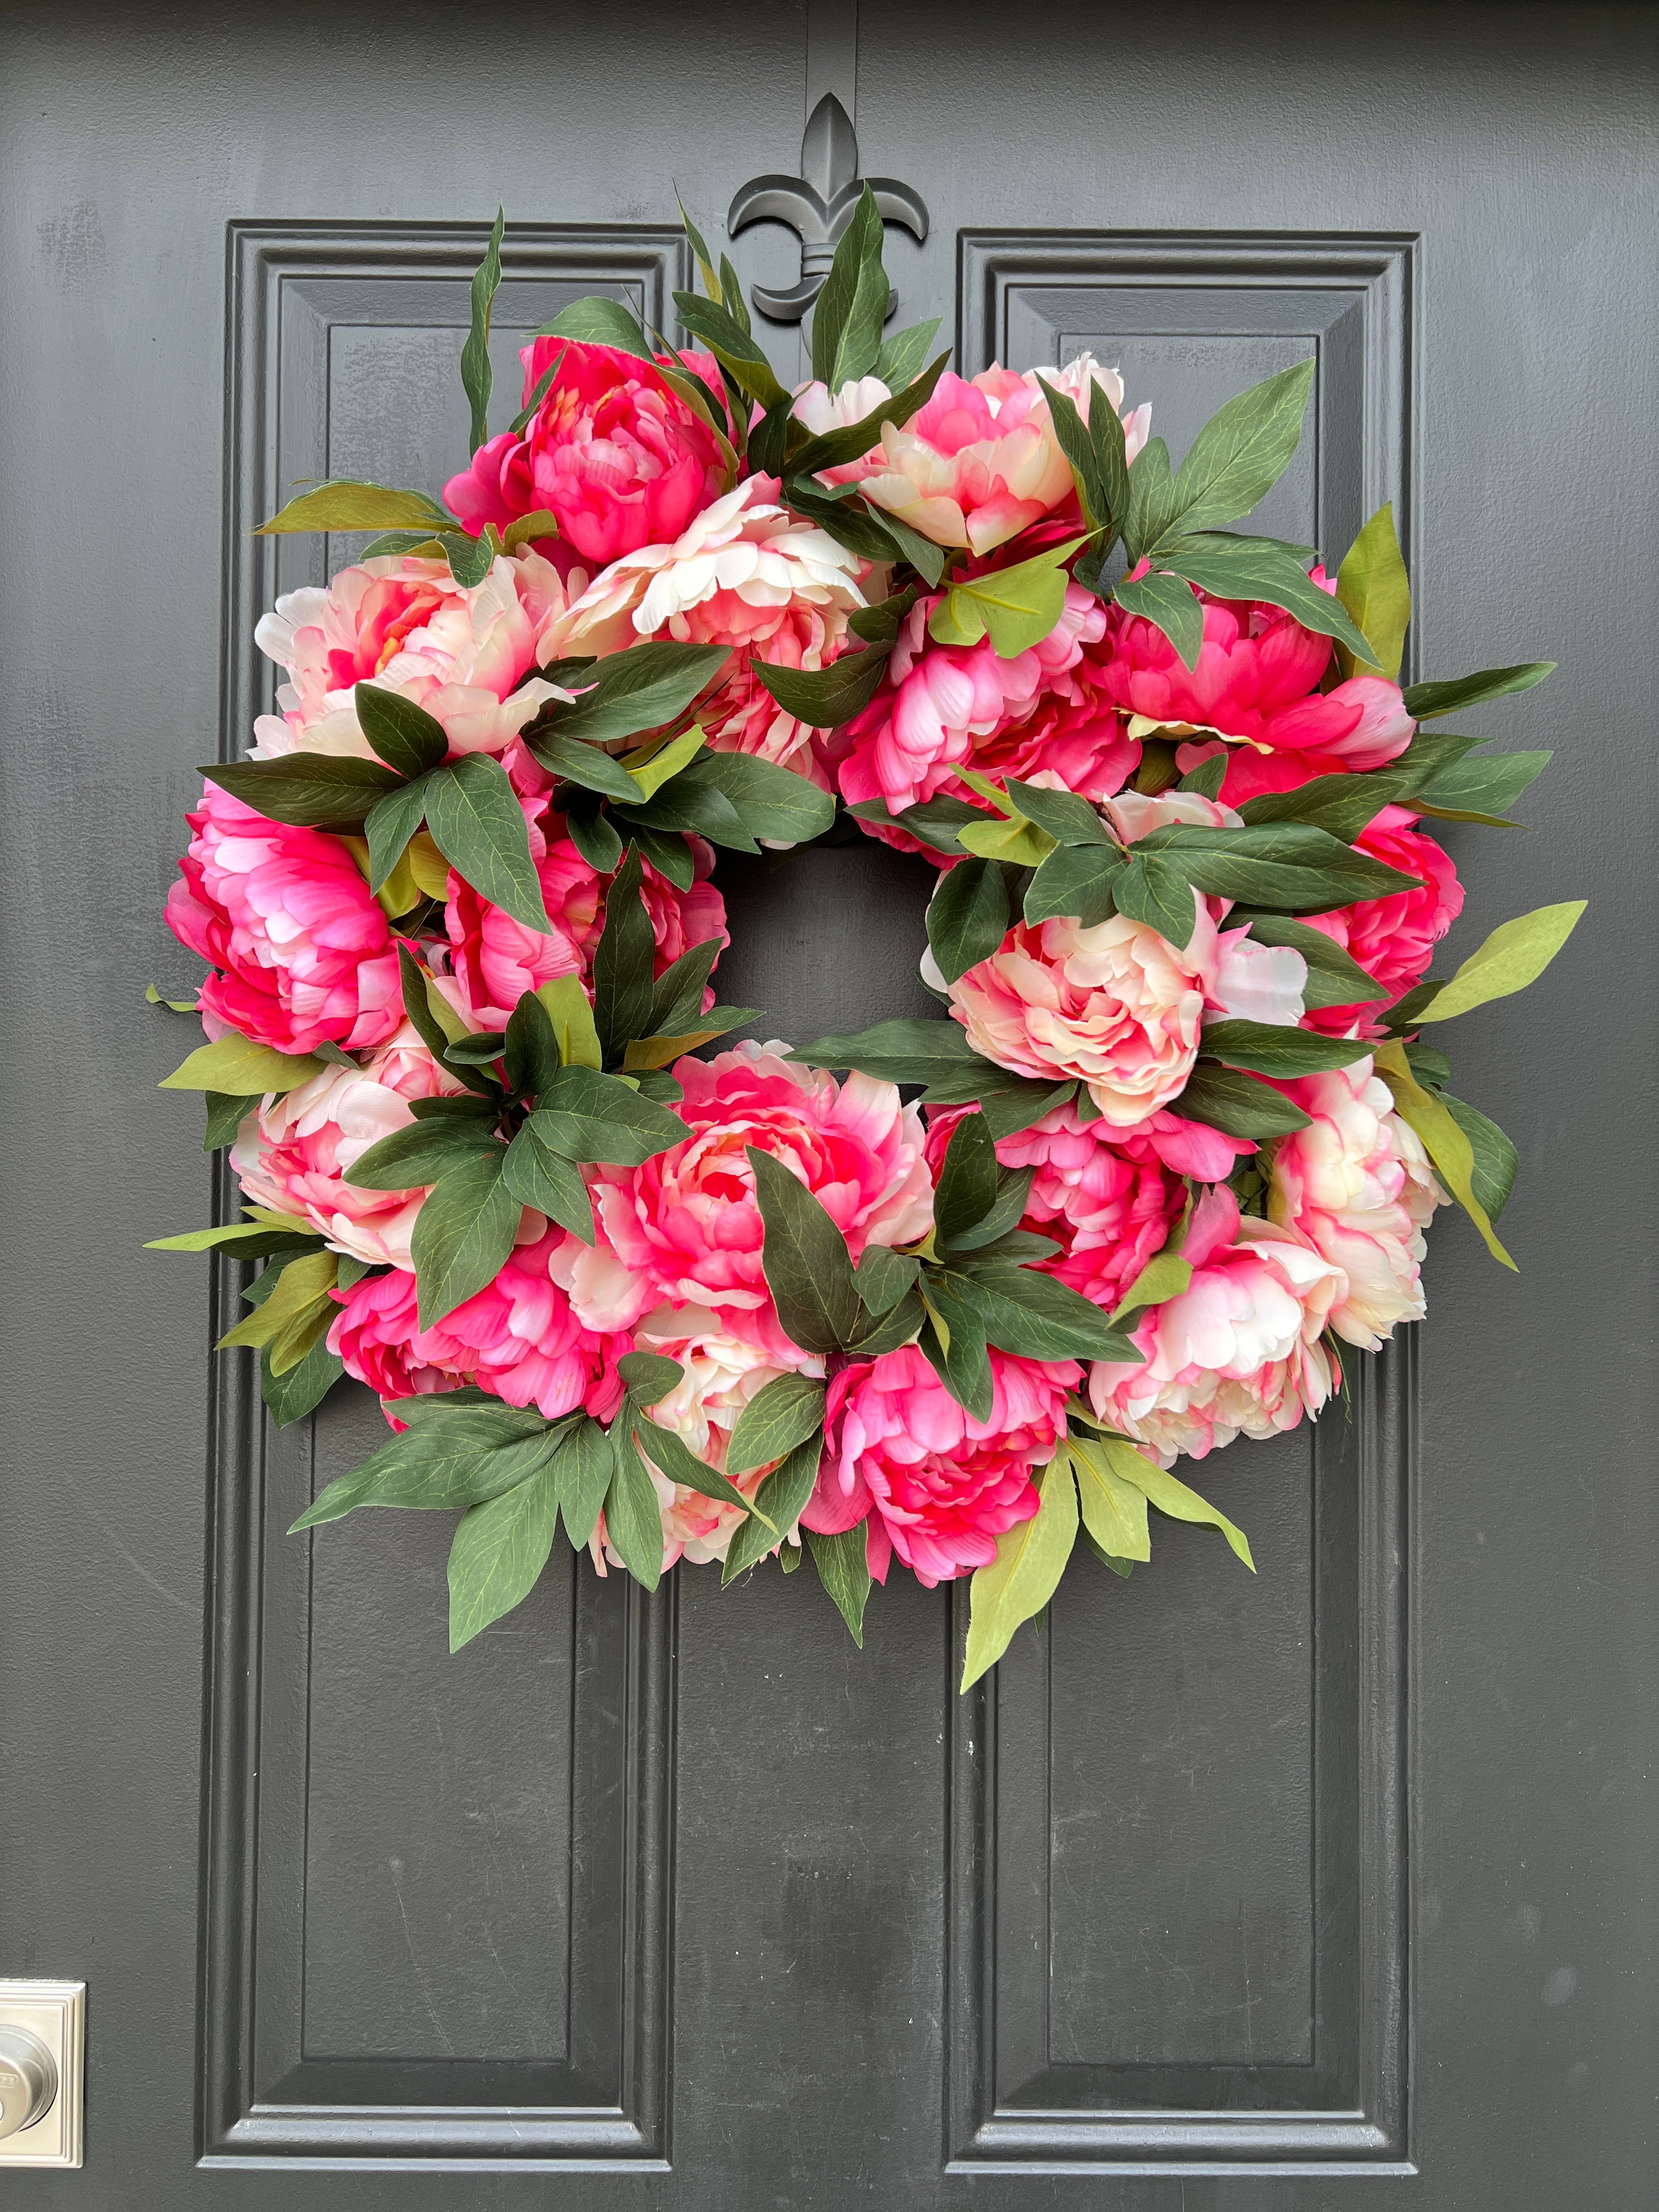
(153, 998)
(302, 1288)
(341, 504)
(498, 1554)
(477, 823)
(232, 1234)
(657, 766)
(1165, 1275)
(1373, 585)
(1516, 954)
(1025, 1573)
(1113, 1510)
(236, 1064)
(1135, 1467)
(1017, 606)
(1019, 842)
(1444, 1139)
(572, 1016)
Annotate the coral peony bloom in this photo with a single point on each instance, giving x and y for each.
(1107, 1200)
(1238, 1352)
(1041, 714)
(746, 573)
(292, 1152)
(1257, 678)
(306, 954)
(493, 960)
(685, 1228)
(930, 1482)
(462, 652)
(722, 1373)
(1357, 1184)
(613, 451)
(980, 462)
(516, 1338)
(1392, 939)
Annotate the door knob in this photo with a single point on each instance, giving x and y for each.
(28, 2079)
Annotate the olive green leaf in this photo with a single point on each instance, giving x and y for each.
(1113, 1510)
(1024, 1575)
(341, 504)
(236, 1065)
(1444, 1139)
(1373, 585)
(1516, 954)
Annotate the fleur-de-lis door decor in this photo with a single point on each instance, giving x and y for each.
(818, 205)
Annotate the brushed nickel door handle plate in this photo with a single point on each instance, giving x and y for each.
(42, 2066)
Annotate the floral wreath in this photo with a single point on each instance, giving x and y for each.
(1178, 1132)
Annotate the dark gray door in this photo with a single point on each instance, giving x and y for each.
(1222, 1893)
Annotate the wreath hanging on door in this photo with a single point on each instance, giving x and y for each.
(950, 1292)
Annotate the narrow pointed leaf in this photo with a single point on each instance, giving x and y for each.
(591, 1116)
(1428, 701)
(498, 1555)
(1373, 585)
(1238, 1104)
(537, 1175)
(582, 1472)
(1444, 1138)
(805, 1260)
(966, 1183)
(778, 1505)
(789, 1409)
(236, 1064)
(843, 1568)
(632, 1521)
(478, 825)
(463, 1235)
(1516, 954)
(1025, 1573)
(1113, 1510)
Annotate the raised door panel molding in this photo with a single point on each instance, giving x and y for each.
(437, 1887)
(1179, 1805)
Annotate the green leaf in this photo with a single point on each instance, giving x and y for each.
(1035, 1315)
(227, 1110)
(1283, 865)
(649, 1375)
(477, 823)
(736, 350)
(632, 1520)
(1007, 1211)
(342, 504)
(1018, 842)
(843, 1567)
(772, 803)
(1444, 1138)
(854, 440)
(935, 824)
(1485, 783)
(541, 521)
(537, 1176)
(581, 763)
(1249, 568)
(1019, 1103)
(789, 1410)
(643, 689)
(882, 1277)
(599, 321)
(1113, 1510)
(1169, 605)
(1076, 880)
(391, 823)
(967, 1186)
(656, 764)
(1025, 1573)
(1017, 606)
(1067, 818)
(1334, 979)
(236, 1064)
(1144, 1474)
(1206, 779)
(590, 1116)
(572, 1017)
(1239, 1105)
(463, 1235)
(583, 1470)
(1241, 452)
(1516, 954)
(677, 995)
(1426, 701)
(860, 339)
(967, 916)
(1342, 806)
(1492, 1178)
(1373, 585)
(805, 1260)
(290, 1396)
(677, 1463)
(952, 1342)
(1095, 494)
(532, 1054)
(307, 791)
(458, 1457)
(903, 1050)
(860, 244)
(903, 355)
(1154, 889)
(1151, 498)
(475, 379)
(622, 962)
(591, 831)
(779, 1504)
(498, 1554)
(646, 1053)
(416, 1155)
(299, 1294)
(1165, 1275)
(1267, 1049)
(824, 698)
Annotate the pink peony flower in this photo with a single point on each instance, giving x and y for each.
(1257, 680)
(685, 1228)
(1392, 939)
(462, 652)
(1238, 1352)
(980, 462)
(613, 451)
(1041, 714)
(305, 953)
(1107, 1199)
(745, 573)
(722, 1374)
(1356, 1184)
(493, 960)
(931, 1483)
(292, 1152)
(516, 1338)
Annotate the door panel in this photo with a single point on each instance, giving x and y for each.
(1248, 1891)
